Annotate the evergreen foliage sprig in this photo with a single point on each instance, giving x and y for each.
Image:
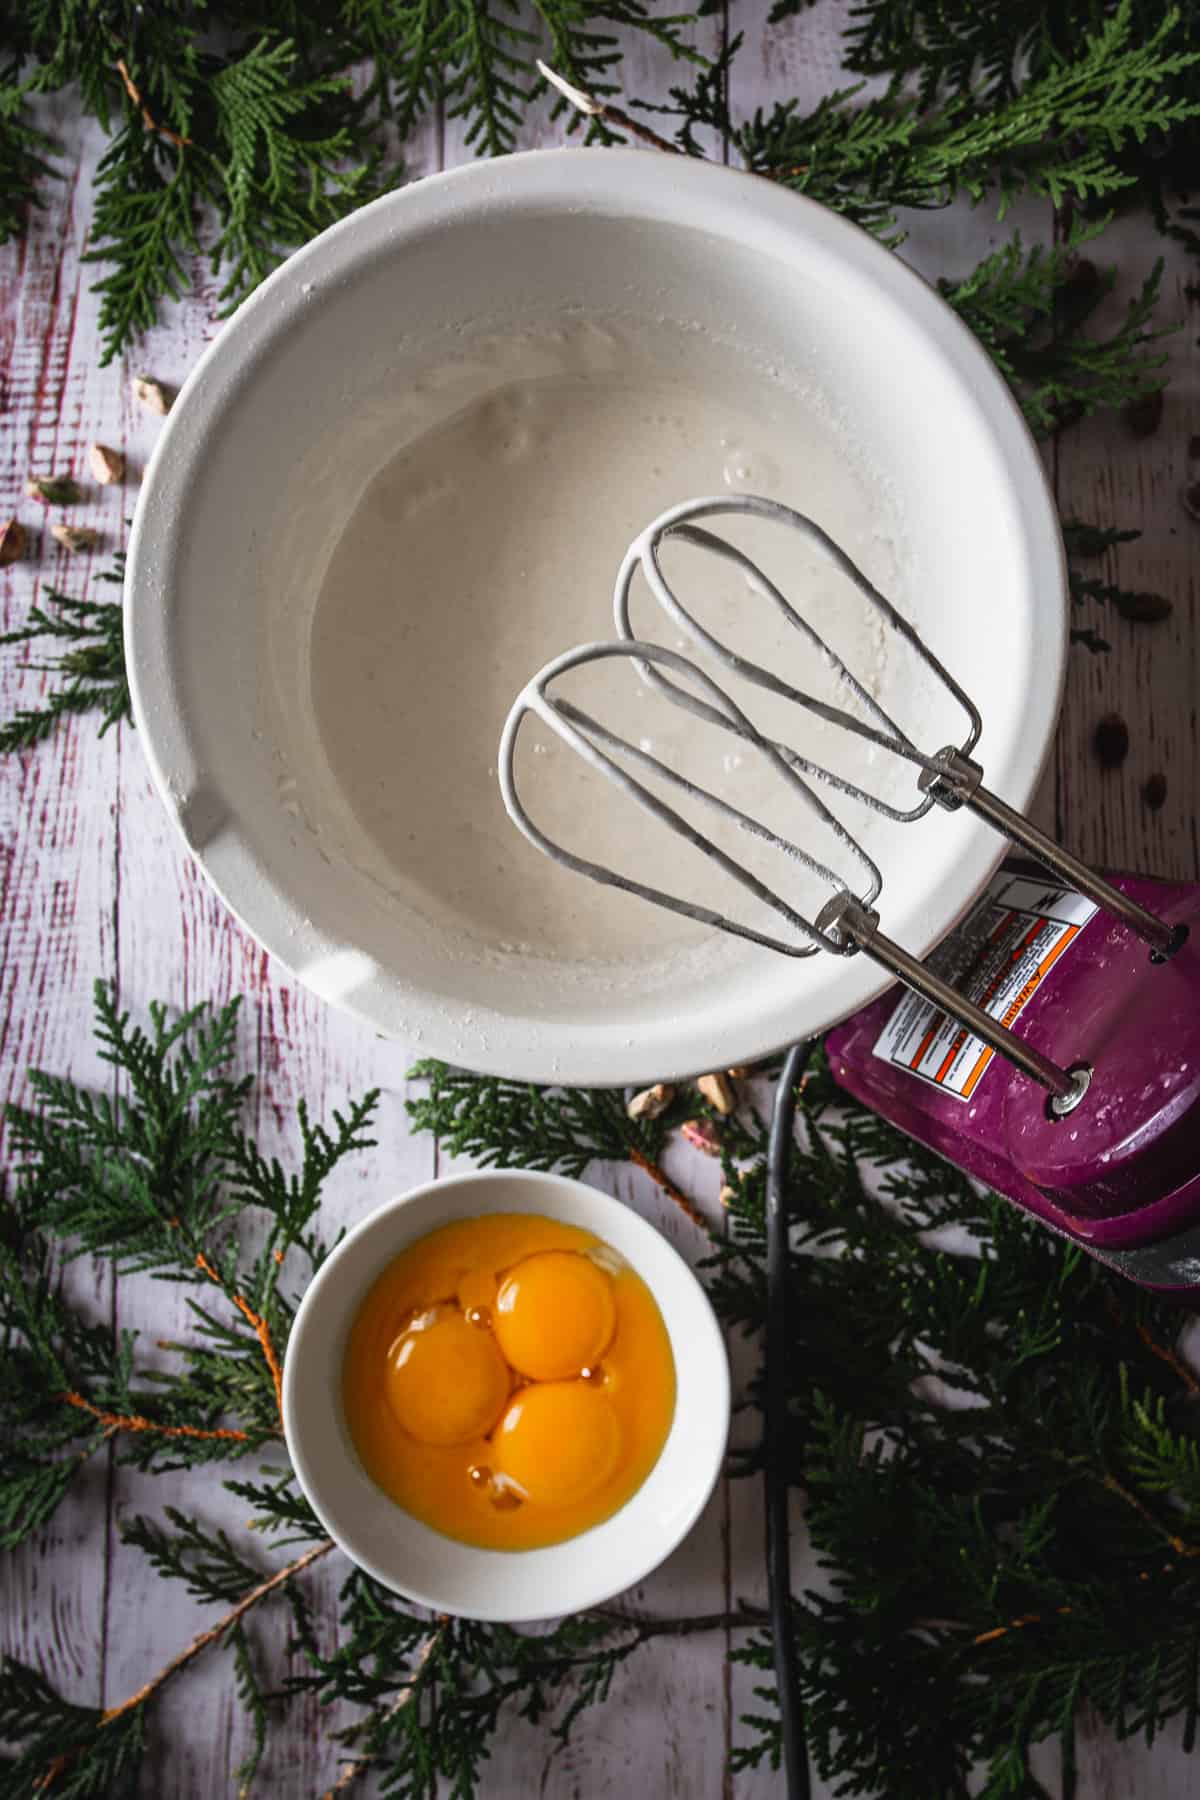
(1077, 129)
(240, 133)
(269, 143)
(1058, 135)
(493, 1121)
(89, 667)
(949, 47)
(161, 1178)
(246, 150)
(1084, 544)
(23, 161)
(1030, 309)
(989, 1566)
(272, 155)
(992, 1566)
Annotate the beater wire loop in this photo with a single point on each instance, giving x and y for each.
(949, 777)
(678, 524)
(607, 752)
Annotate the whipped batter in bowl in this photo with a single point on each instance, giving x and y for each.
(490, 543)
(403, 477)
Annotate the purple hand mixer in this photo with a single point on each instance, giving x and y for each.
(1089, 1117)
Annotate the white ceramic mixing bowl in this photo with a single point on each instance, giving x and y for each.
(292, 410)
(497, 1584)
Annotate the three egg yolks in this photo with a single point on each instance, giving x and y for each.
(509, 1381)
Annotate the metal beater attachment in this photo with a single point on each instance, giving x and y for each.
(949, 777)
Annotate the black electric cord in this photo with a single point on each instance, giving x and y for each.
(777, 1430)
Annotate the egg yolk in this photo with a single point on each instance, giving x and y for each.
(558, 1442)
(555, 1315)
(446, 1380)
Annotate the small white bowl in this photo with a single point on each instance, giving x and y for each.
(437, 1571)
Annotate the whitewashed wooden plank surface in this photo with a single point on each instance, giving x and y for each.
(57, 866)
(95, 884)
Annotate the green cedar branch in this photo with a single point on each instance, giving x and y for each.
(1059, 137)
(1037, 1520)
(90, 668)
(244, 153)
(1086, 542)
(990, 50)
(237, 136)
(1008, 1540)
(516, 1124)
(161, 1179)
(1029, 308)
(23, 162)
(271, 158)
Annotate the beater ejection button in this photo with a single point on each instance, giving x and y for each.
(850, 924)
(954, 780)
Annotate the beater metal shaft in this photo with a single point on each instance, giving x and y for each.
(1163, 939)
(862, 926)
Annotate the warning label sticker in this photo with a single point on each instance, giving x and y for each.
(1013, 939)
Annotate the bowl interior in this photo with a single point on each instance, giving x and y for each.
(310, 390)
(437, 1571)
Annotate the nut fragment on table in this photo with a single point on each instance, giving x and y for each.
(1110, 741)
(652, 1102)
(75, 537)
(1143, 608)
(106, 464)
(702, 1134)
(53, 490)
(718, 1090)
(13, 539)
(151, 394)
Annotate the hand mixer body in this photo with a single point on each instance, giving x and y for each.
(1120, 1173)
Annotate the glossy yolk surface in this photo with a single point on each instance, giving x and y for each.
(558, 1441)
(555, 1315)
(446, 1380)
(509, 1381)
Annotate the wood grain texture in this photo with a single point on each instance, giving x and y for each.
(1152, 678)
(94, 883)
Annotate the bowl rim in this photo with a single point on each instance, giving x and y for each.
(636, 185)
(705, 1340)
